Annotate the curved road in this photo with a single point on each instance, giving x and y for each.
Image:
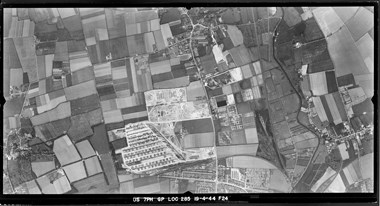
(282, 66)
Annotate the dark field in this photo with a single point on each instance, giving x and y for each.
(198, 126)
(99, 140)
(249, 35)
(109, 169)
(80, 128)
(85, 104)
(312, 31)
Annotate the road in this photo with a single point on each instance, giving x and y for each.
(282, 66)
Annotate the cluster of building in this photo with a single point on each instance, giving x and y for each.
(147, 150)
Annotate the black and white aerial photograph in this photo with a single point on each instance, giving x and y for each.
(206, 100)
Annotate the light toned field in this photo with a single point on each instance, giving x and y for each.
(149, 42)
(75, 171)
(127, 188)
(337, 185)
(235, 35)
(40, 168)
(155, 25)
(333, 109)
(320, 109)
(279, 182)
(318, 83)
(327, 19)
(66, 12)
(345, 13)
(85, 149)
(360, 23)
(112, 116)
(366, 48)
(159, 39)
(166, 33)
(79, 63)
(102, 69)
(80, 90)
(345, 55)
(198, 140)
(93, 166)
(251, 136)
(160, 67)
(250, 162)
(366, 164)
(65, 151)
(329, 173)
(33, 187)
(195, 90)
(27, 55)
(60, 112)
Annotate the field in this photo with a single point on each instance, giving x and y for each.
(65, 151)
(208, 63)
(240, 55)
(82, 75)
(90, 184)
(80, 128)
(84, 104)
(75, 171)
(360, 23)
(99, 140)
(53, 129)
(62, 111)
(19, 171)
(118, 48)
(291, 16)
(291, 103)
(86, 89)
(85, 149)
(249, 32)
(234, 150)
(312, 30)
(278, 182)
(109, 169)
(235, 34)
(27, 56)
(231, 16)
(198, 140)
(345, 54)
(281, 130)
(366, 48)
(248, 14)
(198, 126)
(328, 20)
